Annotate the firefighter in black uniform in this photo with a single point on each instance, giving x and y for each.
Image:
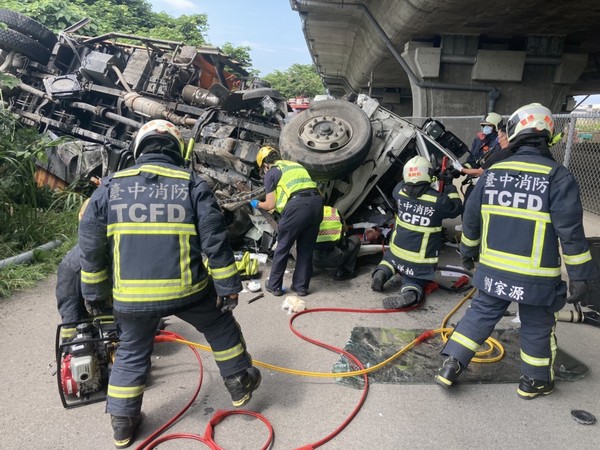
(513, 221)
(155, 220)
(69, 299)
(292, 193)
(417, 238)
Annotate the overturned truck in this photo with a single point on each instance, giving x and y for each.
(94, 93)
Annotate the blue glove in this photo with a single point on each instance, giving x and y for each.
(254, 203)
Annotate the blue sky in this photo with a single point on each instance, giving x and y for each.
(269, 27)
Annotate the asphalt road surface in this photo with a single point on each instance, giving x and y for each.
(302, 410)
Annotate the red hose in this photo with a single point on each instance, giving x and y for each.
(166, 336)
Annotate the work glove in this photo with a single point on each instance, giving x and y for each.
(457, 166)
(577, 290)
(468, 262)
(254, 203)
(226, 302)
(97, 308)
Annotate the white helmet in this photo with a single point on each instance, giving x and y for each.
(493, 119)
(158, 128)
(416, 170)
(533, 119)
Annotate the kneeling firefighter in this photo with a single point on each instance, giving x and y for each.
(334, 249)
(150, 224)
(417, 238)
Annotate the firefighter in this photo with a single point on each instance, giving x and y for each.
(334, 249)
(155, 220)
(483, 146)
(417, 237)
(68, 293)
(513, 222)
(69, 300)
(293, 194)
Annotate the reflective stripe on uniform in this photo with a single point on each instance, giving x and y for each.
(577, 259)
(146, 228)
(524, 265)
(417, 257)
(533, 361)
(387, 264)
(224, 272)
(469, 242)
(464, 341)
(522, 166)
(230, 353)
(158, 170)
(425, 197)
(94, 277)
(156, 290)
(125, 391)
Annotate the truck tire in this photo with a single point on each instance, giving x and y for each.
(330, 139)
(26, 46)
(29, 27)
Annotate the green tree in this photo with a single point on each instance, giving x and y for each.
(298, 80)
(239, 54)
(122, 16)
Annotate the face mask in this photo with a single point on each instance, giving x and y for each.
(487, 129)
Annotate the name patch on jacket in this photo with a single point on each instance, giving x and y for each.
(515, 190)
(499, 288)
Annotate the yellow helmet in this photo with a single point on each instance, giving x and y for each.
(158, 128)
(416, 170)
(263, 153)
(530, 120)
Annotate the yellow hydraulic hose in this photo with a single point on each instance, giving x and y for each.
(304, 373)
(493, 346)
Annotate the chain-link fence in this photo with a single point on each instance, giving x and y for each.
(578, 150)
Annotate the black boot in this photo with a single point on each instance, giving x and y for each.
(449, 372)
(402, 300)
(379, 279)
(242, 384)
(123, 429)
(530, 388)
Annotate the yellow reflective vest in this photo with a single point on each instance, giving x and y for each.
(330, 229)
(294, 178)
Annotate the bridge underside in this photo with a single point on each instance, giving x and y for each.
(462, 57)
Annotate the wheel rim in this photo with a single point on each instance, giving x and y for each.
(325, 133)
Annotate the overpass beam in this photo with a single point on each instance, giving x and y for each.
(486, 80)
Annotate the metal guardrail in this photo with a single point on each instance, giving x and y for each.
(578, 150)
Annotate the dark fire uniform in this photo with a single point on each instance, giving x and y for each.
(156, 220)
(417, 238)
(518, 212)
